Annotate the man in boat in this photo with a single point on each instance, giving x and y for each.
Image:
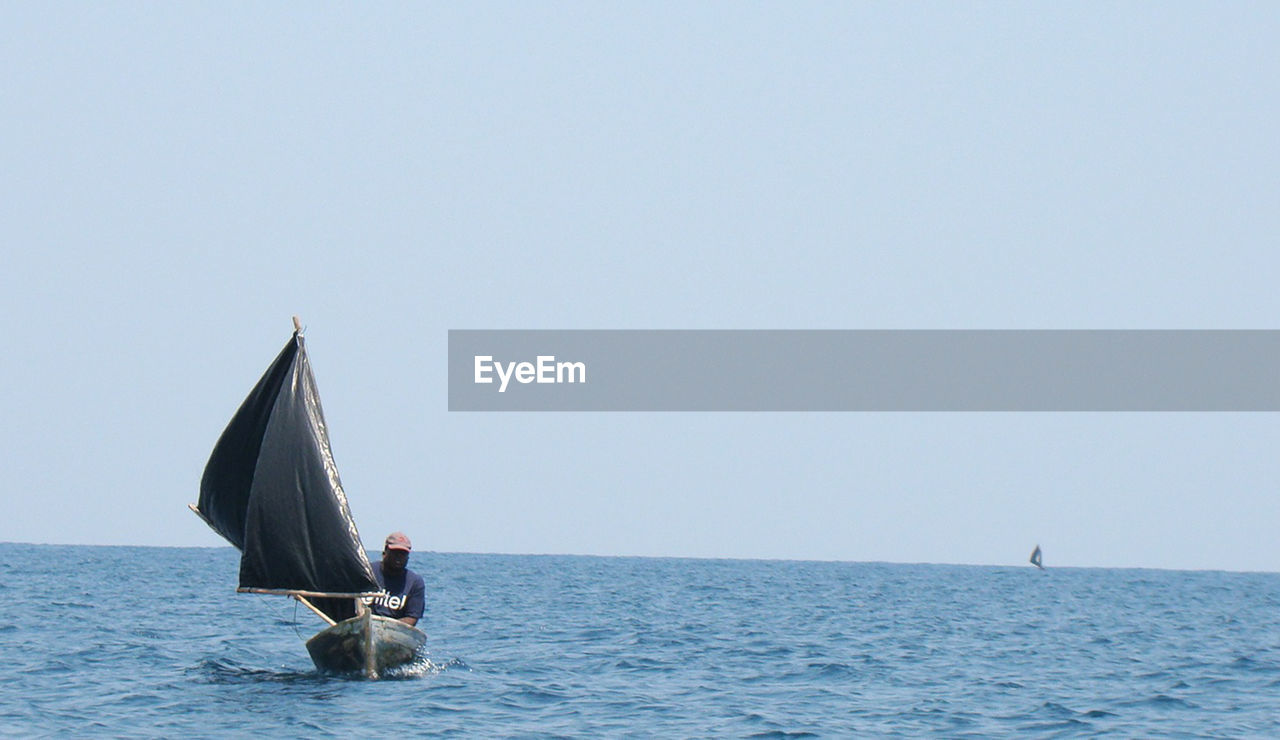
(403, 594)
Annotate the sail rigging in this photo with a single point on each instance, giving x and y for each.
(271, 488)
(1037, 558)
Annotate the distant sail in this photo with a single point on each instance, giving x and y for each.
(1035, 558)
(271, 488)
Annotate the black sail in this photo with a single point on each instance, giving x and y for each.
(228, 476)
(271, 489)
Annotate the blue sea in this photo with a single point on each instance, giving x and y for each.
(146, 642)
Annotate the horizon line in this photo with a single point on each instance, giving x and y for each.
(704, 557)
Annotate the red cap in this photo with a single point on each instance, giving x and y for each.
(398, 541)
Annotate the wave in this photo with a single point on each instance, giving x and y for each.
(224, 670)
(1163, 701)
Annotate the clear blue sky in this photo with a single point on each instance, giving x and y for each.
(179, 179)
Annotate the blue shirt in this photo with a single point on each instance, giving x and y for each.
(404, 594)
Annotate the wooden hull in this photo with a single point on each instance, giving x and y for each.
(366, 644)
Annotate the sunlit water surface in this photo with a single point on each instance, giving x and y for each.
(155, 642)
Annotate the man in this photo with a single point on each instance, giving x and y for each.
(403, 592)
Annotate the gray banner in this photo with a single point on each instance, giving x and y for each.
(925, 370)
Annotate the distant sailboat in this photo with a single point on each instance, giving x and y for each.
(1036, 559)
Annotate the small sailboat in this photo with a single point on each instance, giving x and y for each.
(271, 488)
(1036, 558)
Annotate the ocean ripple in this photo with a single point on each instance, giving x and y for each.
(585, 647)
